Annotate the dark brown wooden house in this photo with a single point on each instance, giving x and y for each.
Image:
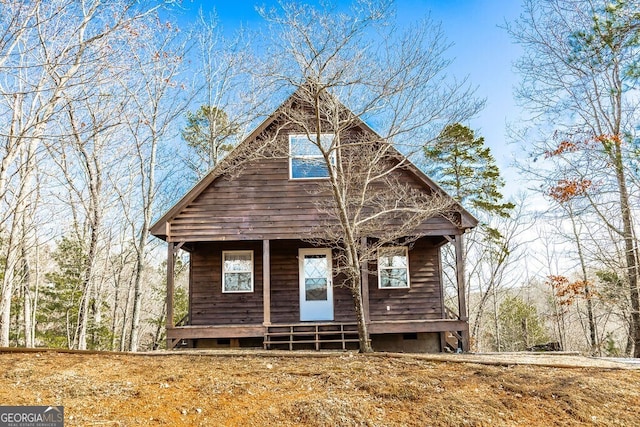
(255, 278)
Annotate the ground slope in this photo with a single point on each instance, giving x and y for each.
(246, 389)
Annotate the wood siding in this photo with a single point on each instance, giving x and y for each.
(285, 294)
(423, 300)
(209, 306)
(262, 202)
(285, 286)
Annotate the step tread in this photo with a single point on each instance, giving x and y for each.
(310, 341)
(286, 334)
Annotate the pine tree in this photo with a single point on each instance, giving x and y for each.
(465, 167)
(210, 133)
(520, 325)
(461, 163)
(60, 300)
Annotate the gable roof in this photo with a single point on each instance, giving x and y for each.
(161, 226)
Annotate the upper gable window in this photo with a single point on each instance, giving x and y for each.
(305, 159)
(393, 267)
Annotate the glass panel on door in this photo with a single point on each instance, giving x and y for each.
(316, 291)
(315, 277)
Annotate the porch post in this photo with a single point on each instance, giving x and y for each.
(266, 281)
(170, 273)
(443, 309)
(462, 302)
(364, 280)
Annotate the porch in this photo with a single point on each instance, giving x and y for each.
(270, 317)
(315, 335)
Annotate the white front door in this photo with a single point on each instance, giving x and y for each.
(316, 287)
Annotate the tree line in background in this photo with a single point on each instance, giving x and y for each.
(109, 112)
(90, 98)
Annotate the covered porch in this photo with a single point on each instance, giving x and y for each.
(318, 335)
(265, 329)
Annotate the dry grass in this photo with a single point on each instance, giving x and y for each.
(247, 389)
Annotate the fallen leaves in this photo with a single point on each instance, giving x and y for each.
(337, 389)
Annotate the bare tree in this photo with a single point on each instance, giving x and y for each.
(220, 84)
(497, 262)
(579, 72)
(395, 81)
(82, 158)
(47, 50)
(158, 98)
(19, 110)
(584, 285)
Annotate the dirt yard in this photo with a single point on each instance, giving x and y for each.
(320, 389)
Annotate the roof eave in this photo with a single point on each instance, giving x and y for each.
(159, 227)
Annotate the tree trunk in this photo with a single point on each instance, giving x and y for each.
(593, 341)
(83, 314)
(148, 180)
(125, 321)
(160, 327)
(8, 284)
(27, 301)
(630, 251)
(137, 298)
(116, 305)
(114, 322)
(15, 242)
(363, 332)
(496, 321)
(83, 318)
(142, 246)
(90, 159)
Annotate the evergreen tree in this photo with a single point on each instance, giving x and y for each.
(520, 325)
(180, 302)
(60, 301)
(462, 164)
(465, 167)
(209, 132)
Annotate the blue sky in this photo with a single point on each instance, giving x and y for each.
(482, 51)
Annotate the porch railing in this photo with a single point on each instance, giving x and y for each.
(317, 336)
(184, 321)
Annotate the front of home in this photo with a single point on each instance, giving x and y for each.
(259, 275)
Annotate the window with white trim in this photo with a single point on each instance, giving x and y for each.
(393, 267)
(305, 158)
(237, 271)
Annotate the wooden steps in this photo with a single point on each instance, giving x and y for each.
(316, 336)
(452, 340)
